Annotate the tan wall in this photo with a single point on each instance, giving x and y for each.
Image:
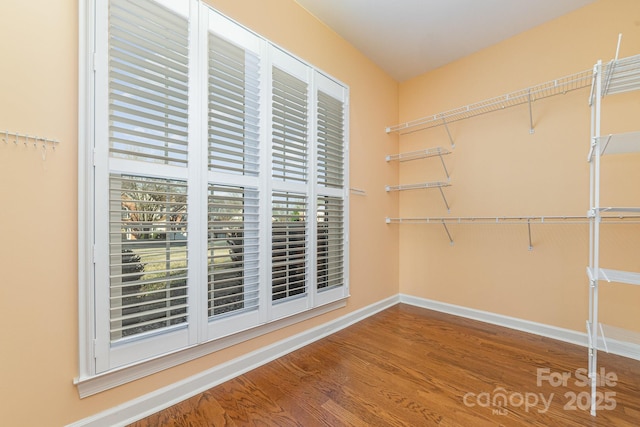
(38, 219)
(499, 169)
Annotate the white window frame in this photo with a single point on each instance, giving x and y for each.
(160, 352)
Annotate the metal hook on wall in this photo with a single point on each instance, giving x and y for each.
(27, 139)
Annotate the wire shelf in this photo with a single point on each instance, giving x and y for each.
(620, 143)
(418, 186)
(445, 222)
(621, 75)
(490, 220)
(544, 90)
(420, 154)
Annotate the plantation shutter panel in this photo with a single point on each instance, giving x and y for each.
(291, 183)
(148, 103)
(331, 190)
(148, 278)
(148, 83)
(330, 242)
(330, 141)
(234, 189)
(233, 250)
(234, 107)
(330, 209)
(289, 245)
(290, 127)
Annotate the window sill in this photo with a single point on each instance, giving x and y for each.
(90, 385)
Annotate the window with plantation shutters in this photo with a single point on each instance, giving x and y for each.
(213, 188)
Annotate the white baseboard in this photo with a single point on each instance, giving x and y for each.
(163, 398)
(158, 400)
(621, 348)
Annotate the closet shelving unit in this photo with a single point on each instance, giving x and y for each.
(618, 76)
(560, 86)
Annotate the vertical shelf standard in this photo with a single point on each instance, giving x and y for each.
(618, 76)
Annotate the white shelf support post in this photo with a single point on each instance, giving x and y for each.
(595, 237)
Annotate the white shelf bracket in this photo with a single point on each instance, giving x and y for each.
(444, 166)
(529, 228)
(591, 149)
(611, 66)
(604, 339)
(445, 200)
(531, 129)
(446, 127)
(446, 229)
(593, 85)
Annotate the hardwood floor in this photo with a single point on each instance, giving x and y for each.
(408, 366)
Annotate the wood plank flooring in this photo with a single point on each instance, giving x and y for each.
(408, 366)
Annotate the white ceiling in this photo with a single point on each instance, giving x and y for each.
(409, 37)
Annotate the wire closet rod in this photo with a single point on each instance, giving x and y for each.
(627, 219)
(558, 86)
(526, 220)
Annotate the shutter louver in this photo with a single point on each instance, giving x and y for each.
(330, 242)
(330, 124)
(289, 245)
(148, 83)
(234, 108)
(147, 248)
(290, 127)
(233, 249)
